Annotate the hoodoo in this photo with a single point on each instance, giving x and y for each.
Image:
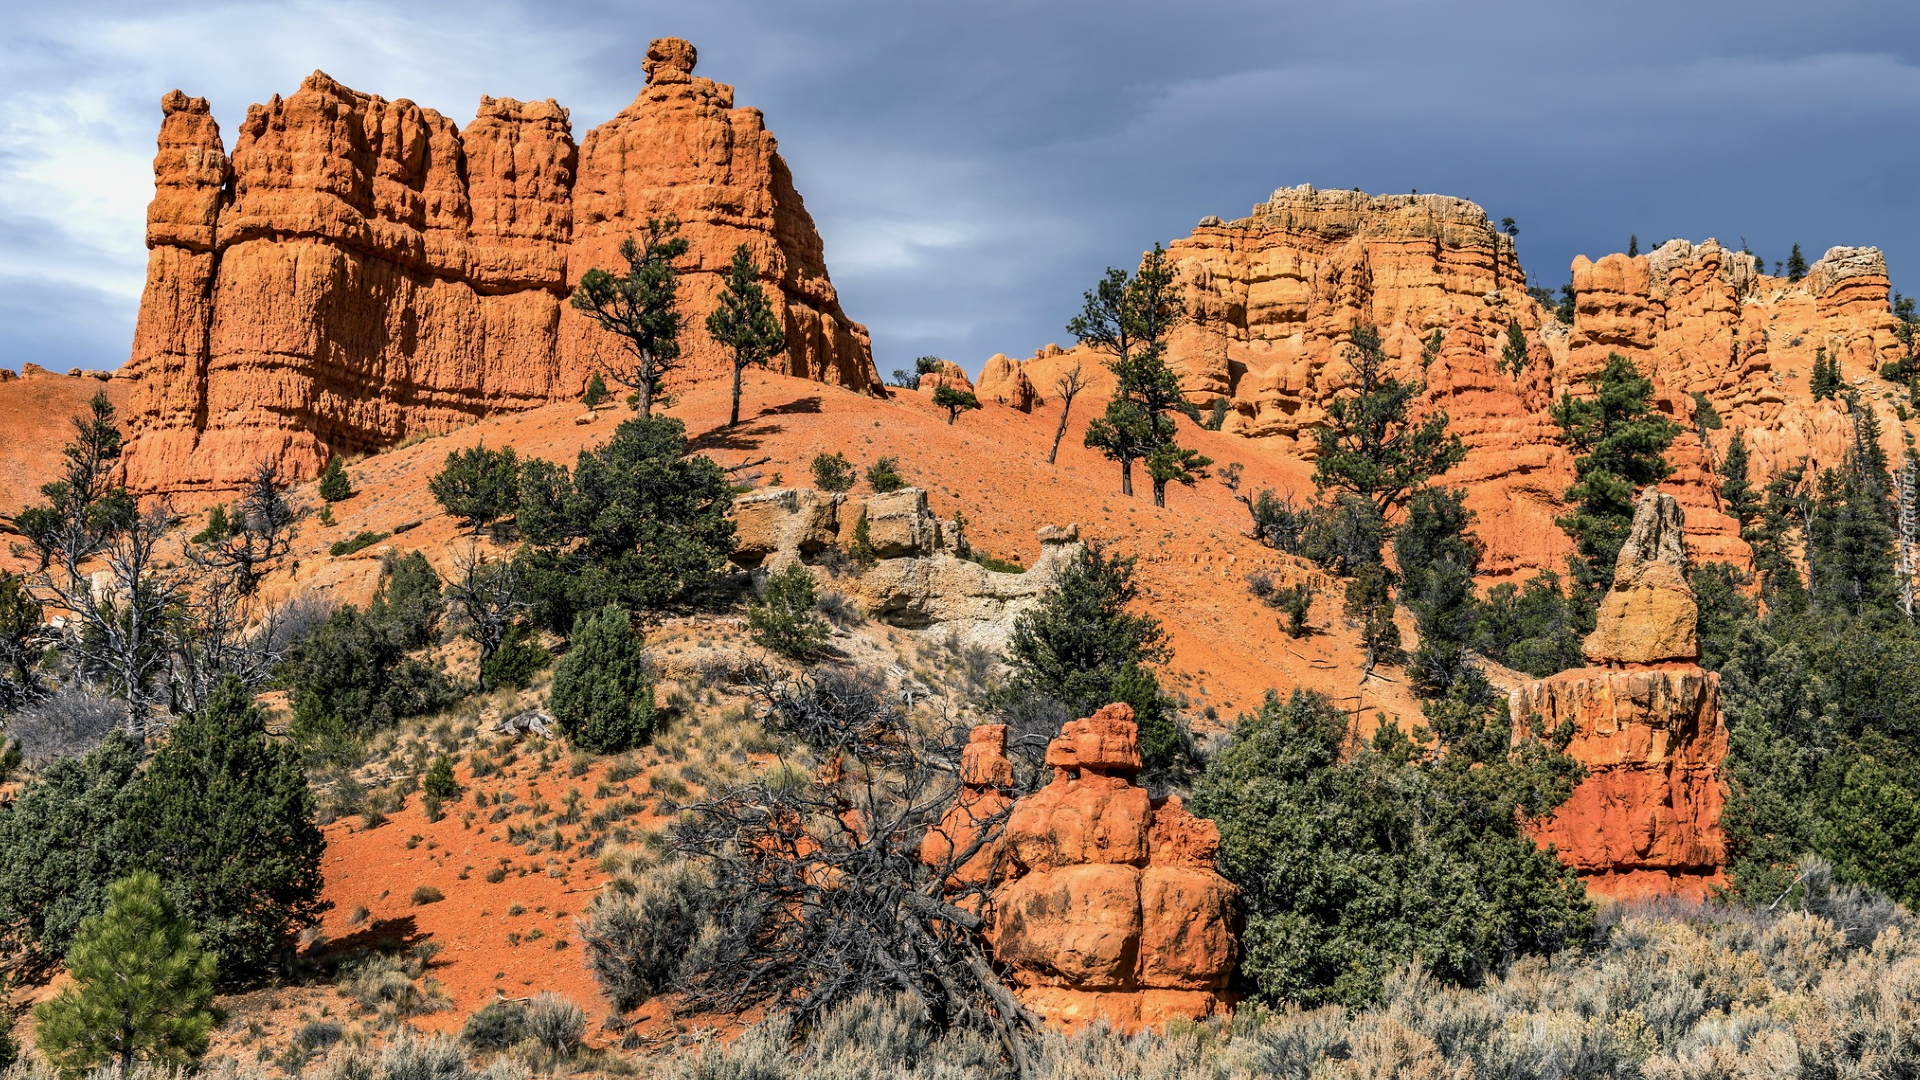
(362, 270)
(1647, 726)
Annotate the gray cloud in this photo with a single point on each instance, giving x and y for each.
(974, 166)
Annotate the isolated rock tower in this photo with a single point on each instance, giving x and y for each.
(1647, 725)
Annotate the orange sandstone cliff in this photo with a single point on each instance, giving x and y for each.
(1646, 724)
(1106, 904)
(361, 270)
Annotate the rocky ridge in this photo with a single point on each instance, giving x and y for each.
(360, 270)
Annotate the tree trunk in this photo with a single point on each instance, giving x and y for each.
(1126, 476)
(733, 418)
(1160, 493)
(1066, 407)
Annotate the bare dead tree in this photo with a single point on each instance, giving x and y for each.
(261, 534)
(825, 893)
(1068, 386)
(488, 600)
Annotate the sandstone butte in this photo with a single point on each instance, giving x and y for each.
(1104, 903)
(359, 270)
(1646, 724)
(1274, 298)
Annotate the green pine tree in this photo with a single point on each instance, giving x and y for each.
(1513, 354)
(1371, 446)
(334, 485)
(224, 811)
(142, 987)
(1084, 647)
(479, 486)
(597, 393)
(1825, 380)
(641, 308)
(954, 400)
(1736, 489)
(603, 687)
(1796, 264)
(744, 322)
(1619, 442)
(1439, 556)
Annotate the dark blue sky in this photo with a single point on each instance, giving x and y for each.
(974, 165)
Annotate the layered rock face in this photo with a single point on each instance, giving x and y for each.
(361, 270)
(1647, 726)
(1105, 903)
(920, 576)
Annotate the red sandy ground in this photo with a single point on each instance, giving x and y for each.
(1194, 556)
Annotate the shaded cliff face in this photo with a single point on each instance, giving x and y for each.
(1647, 726)
(362, 270)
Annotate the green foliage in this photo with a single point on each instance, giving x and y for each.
(954, 400)
(1083, 648)
(1513, 354)
(1565, 310)
(142, 989)
(360, 541)
(832, 472)
(20, 620)
(1535, 629)
(63, 841)
(225, 813)
(1171, 463)
(597, 393)
(1736, 487)
(1372, 448)
(1439, 557)
(334, 484)
(1619, 442)
(861, 550)
(1217, 414)
(784, 619)
(640, 308)
(1293, 601)
(637, 523)
(515, 662)
(408, 600)
(1352, 865)
(603, 686)
(439, 782)
(1128, 317)
(743, 321)
(479, 486)
(218, 527)
(352, 676)
(1633, 245)
(1796, 264)
(84, 508)
(884, 476)
(1705, 417)
(1825, 380)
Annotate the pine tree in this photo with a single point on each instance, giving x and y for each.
(641, 308)
(597, 393)
(603, 687)
(954, 400)
(1619, 440)
(226, 814)
(1825, 380)
(1372, 447)
(1438, 557)
(1513, 354)
(1128, 317)
(744, 322)
(479, 486)
(1633, 245)
(1084, 647)
(1736, 489)
(334, 485)
(1171, 463)
(63, 841)
(1796, 264)
(142, 987)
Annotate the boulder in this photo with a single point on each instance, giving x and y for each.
(1002, 382)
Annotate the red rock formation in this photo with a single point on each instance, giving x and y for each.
(1107, 904)
(363, 270)
(1647, 726)
(1003, 382)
